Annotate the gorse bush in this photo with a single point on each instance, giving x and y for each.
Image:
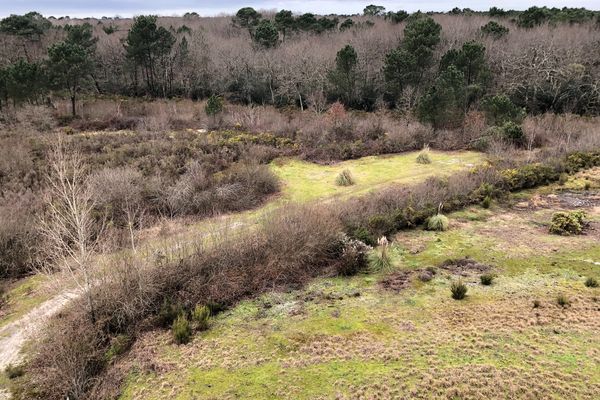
(182, 330)
(345, 178)
(568, 223)
(458, 290)
(438, 223)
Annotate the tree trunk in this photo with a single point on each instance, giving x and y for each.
(73, 108)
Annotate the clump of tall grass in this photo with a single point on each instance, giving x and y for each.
(424, 156)
(345, 178)
(458, 290)
(382, 260)
(438, 223)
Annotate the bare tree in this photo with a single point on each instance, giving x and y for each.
(68, 225)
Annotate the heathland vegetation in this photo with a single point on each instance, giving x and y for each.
(113, 131)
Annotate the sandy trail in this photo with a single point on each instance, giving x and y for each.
(15, 334)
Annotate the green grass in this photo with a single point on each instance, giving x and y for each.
(22, 297)
(348, 336)
(305, 181)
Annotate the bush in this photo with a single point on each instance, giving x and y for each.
(182, 331)
(494, 29)
(486, 279)
(568, 223)
(513, 133)
(200, 317)
(119, 345)
(486, 202)
(563, 178)
(562, 300)
(353, 257)
(438, 223)
(424, 158)
(345, 178)
(168, 312)
(591, 282)
(458, 290)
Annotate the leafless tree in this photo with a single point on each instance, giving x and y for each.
(68, 225)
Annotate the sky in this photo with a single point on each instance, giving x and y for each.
(127, 8)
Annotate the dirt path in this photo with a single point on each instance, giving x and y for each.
(15, 334)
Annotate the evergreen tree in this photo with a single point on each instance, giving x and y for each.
(343, 77)
(444, 103)
(266, 34)
(69, 66)
(147, 45)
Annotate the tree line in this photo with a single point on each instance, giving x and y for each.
(286, 59)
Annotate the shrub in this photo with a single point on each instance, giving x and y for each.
(499, 109)
(486, 202)
(200, 316)
(513, 133)
(563, 178)
(345, 178)
(353, 257)
(591, 282)
(119, 345)
(214, 106)
(424, 158)
(14, 371)
(182, 331)
(568, 223)
(494, 29)
(168, 312)
(562, 300)
(486, 279)
(458, 290)
(438, 223)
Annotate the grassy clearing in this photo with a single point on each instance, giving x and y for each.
(304, 181)
(350, 338)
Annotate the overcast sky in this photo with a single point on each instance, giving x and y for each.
(126, 8)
